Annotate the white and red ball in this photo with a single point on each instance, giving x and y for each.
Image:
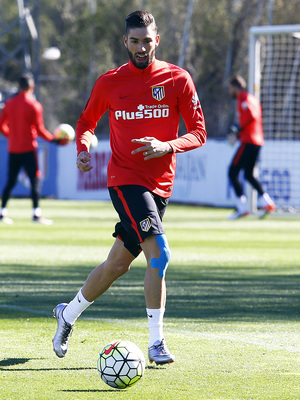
(64, 132)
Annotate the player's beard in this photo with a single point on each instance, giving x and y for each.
(141, 64)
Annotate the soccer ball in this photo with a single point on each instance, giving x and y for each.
(64, 131)
(94, 142)
(121, 364)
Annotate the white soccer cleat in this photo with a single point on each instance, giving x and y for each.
(6, 220)
(41, 220)
(237, 215)
(160, 354)
(63, 333)
(266, 210)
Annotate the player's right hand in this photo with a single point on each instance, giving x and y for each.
(234, 129)
(83, 161)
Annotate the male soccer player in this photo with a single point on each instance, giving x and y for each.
(145, 98)
(21, 120)
(250, 133)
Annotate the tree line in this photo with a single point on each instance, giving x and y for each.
(89, 36)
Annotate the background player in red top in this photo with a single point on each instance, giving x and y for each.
(250, 133)
(21, 120)
(145, 98)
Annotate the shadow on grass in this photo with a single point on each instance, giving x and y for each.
(46, 369)
(193, 293)
(90, 390)
(10, 362)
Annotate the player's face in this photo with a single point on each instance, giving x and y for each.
(233, 91)
(141, 44)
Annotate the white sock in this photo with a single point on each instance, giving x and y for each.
(266, 199)
(75, 308)
(3, 212)
(37, 212)
(155, 323)
(242, 204)
(243, 199)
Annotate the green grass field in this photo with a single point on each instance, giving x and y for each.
(232, 317)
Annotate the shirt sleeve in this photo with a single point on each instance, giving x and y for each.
(246, 111)
(39, 123)
(95, 107)
(4, 128)
(191, 111)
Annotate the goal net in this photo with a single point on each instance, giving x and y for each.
(274, 77)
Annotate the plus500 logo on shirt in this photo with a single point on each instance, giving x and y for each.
(144, 112)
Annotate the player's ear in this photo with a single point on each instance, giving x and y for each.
(125, 40)
(157, 40)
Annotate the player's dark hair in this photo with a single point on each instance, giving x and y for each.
(26, 81)
(139, 19)
(239, 82)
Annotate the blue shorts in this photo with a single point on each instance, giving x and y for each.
(140, 212)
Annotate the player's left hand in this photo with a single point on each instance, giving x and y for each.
(84, 161)
(152, 147)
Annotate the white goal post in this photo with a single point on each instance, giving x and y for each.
(274, 77)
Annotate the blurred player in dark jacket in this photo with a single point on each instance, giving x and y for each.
(21, 121)
(249, 131)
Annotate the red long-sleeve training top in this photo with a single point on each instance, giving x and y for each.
(21, 120)
(250, 119)
(144, 102)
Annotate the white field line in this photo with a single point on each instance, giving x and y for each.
(25, 309)
(256, 342)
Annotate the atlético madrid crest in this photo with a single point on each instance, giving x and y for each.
(145, 225)
(158, 92)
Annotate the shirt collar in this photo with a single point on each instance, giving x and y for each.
(242, 94)
(147, 70)
(25, 93)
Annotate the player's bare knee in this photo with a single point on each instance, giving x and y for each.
(121, 268)
(162, 262)
(116, 268)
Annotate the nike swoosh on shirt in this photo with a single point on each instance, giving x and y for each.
(107, 351)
